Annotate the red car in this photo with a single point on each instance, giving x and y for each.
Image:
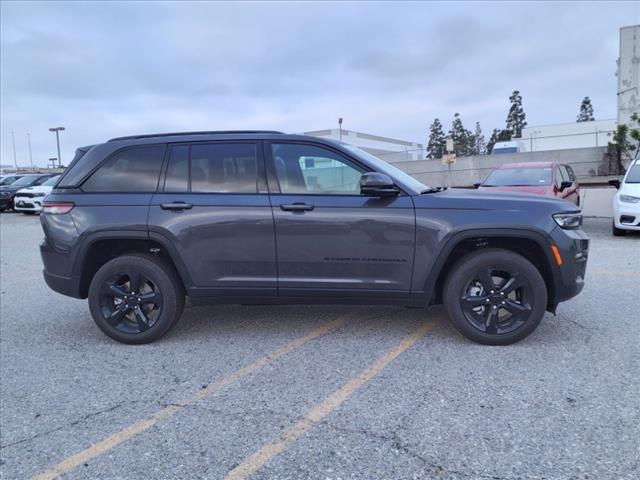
(550, 179)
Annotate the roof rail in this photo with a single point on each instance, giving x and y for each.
(173, 134)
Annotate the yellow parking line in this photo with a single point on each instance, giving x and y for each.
(255, 461)
(131, 431)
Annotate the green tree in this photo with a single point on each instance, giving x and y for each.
(436, 143)
(586, 111)
(516, 116)
(463, 141)
(624, 148)
(478, 137)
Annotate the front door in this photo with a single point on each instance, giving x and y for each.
(213, 207)
(331, 239)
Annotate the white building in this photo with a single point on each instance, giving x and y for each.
(629, 73)
(562, 136)
(388, 149)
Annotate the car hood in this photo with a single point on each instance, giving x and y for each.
(489, 199)
(632, 189)
(534, 190)
(38, 189)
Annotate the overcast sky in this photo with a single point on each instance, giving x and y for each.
(109, 69)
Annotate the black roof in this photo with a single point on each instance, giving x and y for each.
(180, 134)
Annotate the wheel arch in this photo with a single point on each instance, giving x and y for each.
(100, 247)
(531, 244)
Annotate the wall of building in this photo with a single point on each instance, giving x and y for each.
(469, 170)
(629, 73)
(389, 149)
(567, 135)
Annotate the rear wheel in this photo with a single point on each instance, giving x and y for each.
(136, 298)
(617, 232)
(495, 297)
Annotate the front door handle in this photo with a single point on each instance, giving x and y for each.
(176, 206)
(296, 207)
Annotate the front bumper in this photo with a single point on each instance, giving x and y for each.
(25, 204)
(573, 246)
(626, 216)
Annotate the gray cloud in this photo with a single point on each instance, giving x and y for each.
(107, 69)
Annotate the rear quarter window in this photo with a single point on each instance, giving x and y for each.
(134, 169)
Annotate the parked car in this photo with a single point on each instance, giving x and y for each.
(137, 223)
(8, 192)
(626, 202)
(8, 179)
(539, 178)
(29, 200)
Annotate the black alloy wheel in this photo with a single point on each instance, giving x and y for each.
(497, 301)
(136, 298)
(495, 296)
(130, 302)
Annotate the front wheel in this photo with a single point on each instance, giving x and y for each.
(136, 298)
(495, 297)
(617, 232)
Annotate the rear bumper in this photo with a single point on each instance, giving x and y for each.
(69, 286)
(63, 281)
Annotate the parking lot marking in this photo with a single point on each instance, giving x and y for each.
(255, 461)
(131, 431)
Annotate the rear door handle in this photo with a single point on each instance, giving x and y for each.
(176, 206)
(296, 207)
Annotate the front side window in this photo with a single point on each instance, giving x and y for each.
(224, 168)
(634, 174)
(310, 169)
(131, 170)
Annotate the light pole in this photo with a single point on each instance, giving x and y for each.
(58, 130)
(13, 141)
(340, 127)
(30, 155)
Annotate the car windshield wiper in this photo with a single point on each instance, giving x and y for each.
(433, 190)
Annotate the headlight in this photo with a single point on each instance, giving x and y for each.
(629, 199)
(5, 194)
(39, 194)
(569, 221)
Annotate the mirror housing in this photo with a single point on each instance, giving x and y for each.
(565, 184)
(377, 184)
(477, 185)
(615, 183)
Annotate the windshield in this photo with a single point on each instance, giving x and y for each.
(24, 181)
(634, 174)
(51, 182)
(519, 177)
(384, 167)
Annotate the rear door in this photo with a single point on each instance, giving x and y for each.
(213, 209)
(332, 240)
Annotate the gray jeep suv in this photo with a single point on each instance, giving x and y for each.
(258, 217)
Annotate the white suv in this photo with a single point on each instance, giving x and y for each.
(29, 200)
(626, 202)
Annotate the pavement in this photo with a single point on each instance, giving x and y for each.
(326, 392)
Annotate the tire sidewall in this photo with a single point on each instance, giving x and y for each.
(156, 271)
(459, 277)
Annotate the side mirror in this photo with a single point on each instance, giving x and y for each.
(477, 185)
(565, 184)
(615, 183)
(377, 184)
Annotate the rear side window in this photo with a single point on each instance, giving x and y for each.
(177, 179)
(224, 168)
(131, 170)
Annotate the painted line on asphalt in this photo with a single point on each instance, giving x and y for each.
(257, 460)
(131, 431)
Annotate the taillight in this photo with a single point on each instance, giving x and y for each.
(57, 208)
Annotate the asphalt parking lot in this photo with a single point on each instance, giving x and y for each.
(319, 392)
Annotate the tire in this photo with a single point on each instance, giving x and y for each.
(29, 213)
(117, 295)
(495, 311)
(617, 232)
